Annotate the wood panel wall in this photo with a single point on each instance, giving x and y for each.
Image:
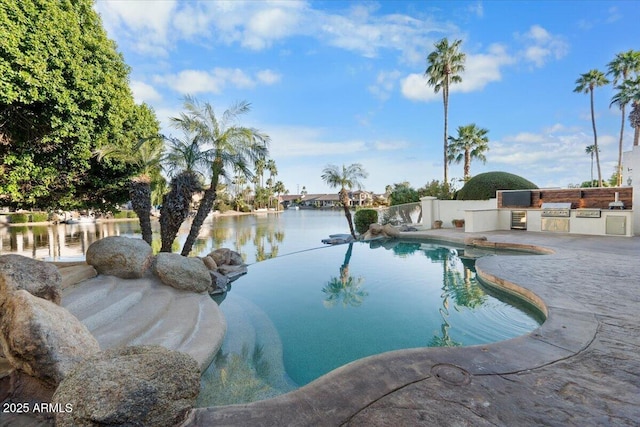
(587, 198)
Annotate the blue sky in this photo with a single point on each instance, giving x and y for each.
(342, 82)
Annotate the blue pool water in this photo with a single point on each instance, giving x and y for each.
(330, 306)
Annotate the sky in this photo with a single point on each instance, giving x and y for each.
(335, 82)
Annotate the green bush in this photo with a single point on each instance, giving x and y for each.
(363, 218)
(18, 218)
(485, 185)
(120, 215)
(39, 217)
(131, 214)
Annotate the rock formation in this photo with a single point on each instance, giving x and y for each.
(378, 231)
(41, 338)
(120, 256)
(180, 272)
(36, 277)
(135, 386)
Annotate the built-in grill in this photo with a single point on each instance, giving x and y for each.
(562, 210)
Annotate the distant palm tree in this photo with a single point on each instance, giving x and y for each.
(444, 65)
(472, 142)
(147, 155)
(345, 178)
(623, 64)
(591, 149)
(586, 84)
(229, 147)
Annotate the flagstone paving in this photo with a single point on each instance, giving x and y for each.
(581, 367)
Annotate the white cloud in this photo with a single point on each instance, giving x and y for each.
(143, 92)
(385, 84)
(268, 77)
(214, 81)
(390, 145)
(540, 46)
(299, 141)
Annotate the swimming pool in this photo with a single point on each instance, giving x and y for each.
(297, 317)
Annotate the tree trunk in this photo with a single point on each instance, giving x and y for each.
(344, 198)
(206, 204)
(619, 181)
(467, 164)
(595, 140)
(175, 207)
(140, 193)
(445, 98)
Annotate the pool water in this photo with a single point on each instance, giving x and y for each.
(295, 318)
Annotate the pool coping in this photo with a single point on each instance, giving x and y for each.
(349, 395)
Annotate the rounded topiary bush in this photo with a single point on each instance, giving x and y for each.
(364, 218)
(485, 185)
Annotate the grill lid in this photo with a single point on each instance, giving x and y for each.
(557, 205)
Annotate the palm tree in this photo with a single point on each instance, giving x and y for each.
(184, 161)
(629, 92)
(619, 69)
(229, 147)
(591, 149)
(444, 65)
(146, 155)
(346, 178)
(586, 84)
(471, 143)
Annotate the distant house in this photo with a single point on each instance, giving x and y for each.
(361, 198)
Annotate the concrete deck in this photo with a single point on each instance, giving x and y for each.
(580, 368)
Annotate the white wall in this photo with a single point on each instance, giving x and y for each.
(448, 210)
(631, 174)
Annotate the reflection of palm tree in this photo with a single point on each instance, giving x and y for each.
(345, 287)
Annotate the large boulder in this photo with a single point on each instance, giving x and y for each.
(379, 231)
(41, 338)
(120, 256)
(39, 278)
(180, 272)
(130, 386)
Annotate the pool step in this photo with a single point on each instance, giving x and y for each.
(124, 312)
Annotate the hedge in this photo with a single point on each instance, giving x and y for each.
(485, 185)
(363, 218)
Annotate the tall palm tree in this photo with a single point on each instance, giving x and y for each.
(629, 92)
(345, 178)
(147, 155)
(586, 83)
(591, 149)
(229, 147)
(623, 64)
(472, 142)
(444, 65)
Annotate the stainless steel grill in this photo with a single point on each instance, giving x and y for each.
(561, 210)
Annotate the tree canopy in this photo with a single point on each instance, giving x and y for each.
(64, 92)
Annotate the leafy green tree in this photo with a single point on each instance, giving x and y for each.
(233, 148)
(586, 83)
(345, 178)
(445, 64)
(472, 142)
(402, 193)
(63, 93)
(622, 65)
(437, 189)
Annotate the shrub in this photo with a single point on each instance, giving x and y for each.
(120, 215)
(131, 214)
(363, 218)
(18, 218)
(485, 185)
(39, 217)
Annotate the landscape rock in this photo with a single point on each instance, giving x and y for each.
(120, 256)
(130, 386)
(221, 256)
(39, 278)
(180, 272)
(235, 258)
(210, 263)
(232, 270)
(220, 283)
(41, 338)
(379, 231)
(472, 240)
